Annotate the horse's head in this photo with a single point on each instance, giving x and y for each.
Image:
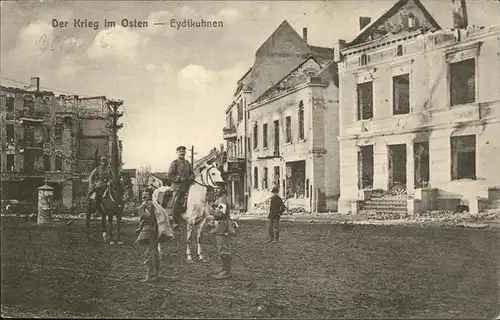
(209, 175)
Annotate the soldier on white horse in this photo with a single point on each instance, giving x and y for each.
(206, 178)
(180, 177)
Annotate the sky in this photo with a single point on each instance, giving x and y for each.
(175, 83)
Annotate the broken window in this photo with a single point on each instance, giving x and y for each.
(401, 94)
(463, 82)
(276, 180)
(421, 156)
(295, 179)
(288, 124)
(264, 179)
(276, 138)
(301, 121)
(255, 136)
(29, 136)
(29, 103)
(248, 145)
(10, 131)
(58, 133)
(29, 162)
(255, 178)
(59, 163)
(463, 157)
(365, 100)
(10, 162)
(264, 135)
(9, 103)
(46, 163)
(365, 167)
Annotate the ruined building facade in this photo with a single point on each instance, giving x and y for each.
(282, 56)
(50, 138)
(420, 115)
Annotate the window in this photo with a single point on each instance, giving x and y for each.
(9, 103)
(240, 110)
(264, 179)
(462, 82)
(401, 94)
(10, 131)
(264, 135)
(46, 163)
(10, 162)
(248, 145)
(301, 121)
(29, 103)
(463, 157)
(365, 100)
(241, 147)
(288, 125)
(276, 180)
(276, 138)
(255, 136)
(59, 163)
(255, 178)
(364, 59)
(399, 50)
(58, 133)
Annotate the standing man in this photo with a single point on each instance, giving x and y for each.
(98, 181)
(180, 177)
(276, 209)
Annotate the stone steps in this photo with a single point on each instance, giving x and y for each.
(394, 206)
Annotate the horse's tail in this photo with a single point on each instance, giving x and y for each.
(161, 217)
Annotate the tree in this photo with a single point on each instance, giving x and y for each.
(143, 175)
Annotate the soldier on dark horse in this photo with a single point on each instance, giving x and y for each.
(108, 190)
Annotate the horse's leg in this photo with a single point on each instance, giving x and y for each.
(189, 230)
(110, 228)
(118, 227)
(199, 239)
(103, 226)
(87, 221)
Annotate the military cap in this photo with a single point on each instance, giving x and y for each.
(103, 158)
(181, 148)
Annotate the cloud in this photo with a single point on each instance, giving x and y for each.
(116, 42)
(187, 12)
(69, 66)
(227, 15)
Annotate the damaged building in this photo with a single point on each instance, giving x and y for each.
(291, 125)
(420, 113)
(50, 138)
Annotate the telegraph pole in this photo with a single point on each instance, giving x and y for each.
(114, 105)
(192, 157)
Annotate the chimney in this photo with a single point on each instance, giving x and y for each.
(364, 21)
(337, 47)
(460, 14)
(304, 34)
(35, 83)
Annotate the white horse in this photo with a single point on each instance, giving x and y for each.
(197, 209)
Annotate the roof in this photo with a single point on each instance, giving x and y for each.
(160, 175)
(388, 14)
(20, 90)
(130, 171)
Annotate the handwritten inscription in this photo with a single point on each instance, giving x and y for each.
(93, 24)
(68, 44)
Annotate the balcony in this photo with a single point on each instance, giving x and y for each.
(229, 133)
(32, 116)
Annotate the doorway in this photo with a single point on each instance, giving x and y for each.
(397, 166)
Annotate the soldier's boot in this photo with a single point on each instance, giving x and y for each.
(226, 268)
(151, 272)
(276, 236)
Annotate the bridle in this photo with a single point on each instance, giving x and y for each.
(203, 183)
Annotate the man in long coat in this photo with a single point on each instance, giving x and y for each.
(98, 182)
(180, 177)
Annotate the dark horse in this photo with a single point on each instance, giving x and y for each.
(112, 204)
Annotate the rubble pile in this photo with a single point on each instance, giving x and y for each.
(397, 190)
(373, 215)
(450, 216)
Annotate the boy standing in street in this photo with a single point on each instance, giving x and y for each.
(148, 237)
(276, 209)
